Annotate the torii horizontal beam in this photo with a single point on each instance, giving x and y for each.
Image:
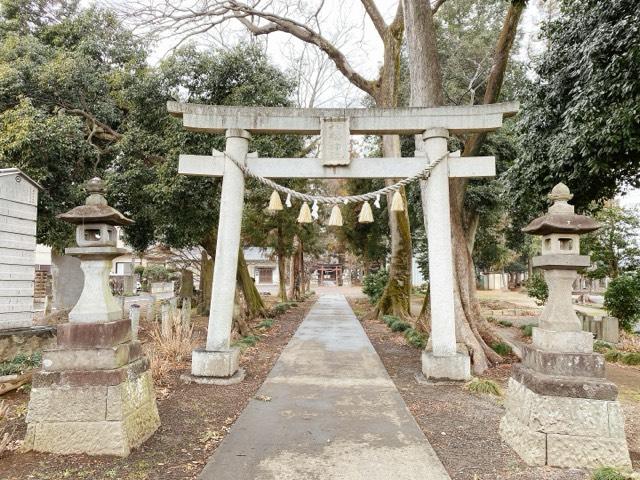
(400, 167)
(374, 121)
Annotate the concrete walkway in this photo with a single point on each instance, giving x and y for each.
(333, 413)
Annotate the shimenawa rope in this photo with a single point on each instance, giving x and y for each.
(423, 174)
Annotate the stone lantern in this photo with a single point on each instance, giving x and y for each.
(94, 394)
(560, 409)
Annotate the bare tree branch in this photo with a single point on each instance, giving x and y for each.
(98, 127)
(398, 21)
(498, 69)
(305, 34)
(189, 19)
(375, 16)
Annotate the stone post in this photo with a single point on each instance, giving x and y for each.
(165, 319)
(444, 361)
(94, 394)
(185, 315)
(560, 409)
(218, 358)
(134, 317)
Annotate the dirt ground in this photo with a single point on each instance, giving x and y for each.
(194, 419)
(461, 426)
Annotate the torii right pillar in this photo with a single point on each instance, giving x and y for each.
(561, 411)
(444, 359)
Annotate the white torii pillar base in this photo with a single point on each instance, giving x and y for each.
(444, 361)
(218, 359)
(455, 367)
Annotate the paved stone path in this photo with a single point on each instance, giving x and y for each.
(333, 413)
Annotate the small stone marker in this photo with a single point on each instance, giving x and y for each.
(94, 394)
(166, 319)
(134, 317)
(561, 411)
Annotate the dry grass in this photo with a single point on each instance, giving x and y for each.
(484, 386)
(169, 353)
(629, 342)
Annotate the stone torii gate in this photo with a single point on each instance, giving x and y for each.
(218, 359)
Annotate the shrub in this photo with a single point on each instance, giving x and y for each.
(20, 364)
(248, 341)
(373, 285)
(537, 288)
(612, 356)
(631, 358)
(389, 319)
(600, 346)
(156, 273)
(399, 326)
(280, 308)
(622, 300)
(415, 338)
(527, 330)
(501, 348)
(266, 323)
(483, 385)
(609, 473)
(505, 323)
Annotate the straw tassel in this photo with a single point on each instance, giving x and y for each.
(366, 215)
(275, 203)
(287, 202)
(397, 205)
(305, 214)
(335, 220)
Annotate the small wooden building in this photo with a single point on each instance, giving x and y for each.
(18, 214)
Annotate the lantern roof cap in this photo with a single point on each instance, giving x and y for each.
(561, 217)
(96, 209)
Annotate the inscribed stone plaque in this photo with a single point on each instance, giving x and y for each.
(334, 147)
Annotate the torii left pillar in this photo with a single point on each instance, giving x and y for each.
(218, 362)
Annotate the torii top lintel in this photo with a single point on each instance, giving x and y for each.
(307, 121)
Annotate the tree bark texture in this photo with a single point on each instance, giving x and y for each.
(253, 304)
(295, 276)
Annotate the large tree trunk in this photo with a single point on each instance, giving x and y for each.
(253, 304)
(206, 281)
(426, 90)
(282, 278)
(395, 299)
(295, 275)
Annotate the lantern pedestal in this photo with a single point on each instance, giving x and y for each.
(97, 411)
(94, 394)
(551, 427)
